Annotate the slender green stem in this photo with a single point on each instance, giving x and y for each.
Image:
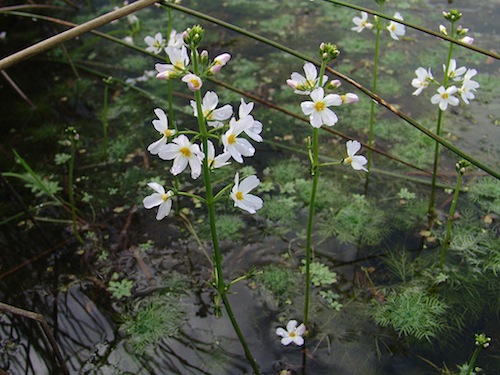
(473, 360)
(439, 128)
(221, 286)
(105, 120)
(372, 111)
(449, 222)
(71, 194)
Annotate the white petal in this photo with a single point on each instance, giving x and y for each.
(249, 183)
(156, 187)
(152, 200)
(164, 209)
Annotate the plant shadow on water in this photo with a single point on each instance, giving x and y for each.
(136, 296)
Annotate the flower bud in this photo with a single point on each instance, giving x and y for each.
(453, 15)
(333, 84)
(349, 98)
(193, 36)
(219, 62)
(204, 56)
(328, 51)
(461, 166)
(443, 31)
(467, 40)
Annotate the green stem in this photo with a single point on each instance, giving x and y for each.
(439, 129)
(374, 89)
(473, 360)
(105, 122)
(71, 169)
(449, 222)
(210, 203)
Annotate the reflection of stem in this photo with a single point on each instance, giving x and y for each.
(45, 327)
(449, 222)
(210, 203)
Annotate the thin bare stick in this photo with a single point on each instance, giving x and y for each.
(45, 327)
(55, 40)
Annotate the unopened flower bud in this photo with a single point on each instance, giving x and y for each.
(443, 31)
(193, 36)
(349, 98)
(333, 84)
(462, 31)
(453, 15)
(467, 40)
(204, 56)
(219, 62)
(461, 166)
(328, 51)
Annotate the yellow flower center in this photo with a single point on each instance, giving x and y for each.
(231, 139)
(444, 95)
(179, 65)
(292, 334)
(167, 132)
(186, 152)
(348, 160)
(239, 195)
(319, 106)
(195, 83)
(393, 27)
(164, 197)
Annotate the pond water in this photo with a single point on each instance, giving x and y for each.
(166, 324)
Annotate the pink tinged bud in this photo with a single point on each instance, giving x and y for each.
(204, 54)
(467, 40)
(193, 81)
(335, 84)
(222, 59)
(293, 84)
(349, 98)
(185, 35)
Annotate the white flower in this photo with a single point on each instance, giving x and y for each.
(175, 40)
(304, 85)
(453, 72)
(240, 196)
(468, 86)
(424, 77)
(212, 115)
(179, 61)
(238, 147)
(292, 333)
(256, 128)
(445, 97)
(160, 198)
(361, 23)
(467, 40)
(156, 44)
(193, 81)
(216, 161)
(182, 152)
(161, 125)
(357, 162)
(396, 29)
(318, 111)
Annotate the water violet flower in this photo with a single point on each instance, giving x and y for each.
(155, 44)
(318, 111)
(424, 77)
(292, 333)
(219, 62)
(304, 85)
(361, 23)
(396, 29)
(213, 115)
(445, 97)
(215, 162)
(453, 72)
(193, 81)
(238, 147)
(240, 196)
(468, 86)
(255, 130)
(183, 152)
(179, 61)
(159, 198)
(357, 162)
(161, 125)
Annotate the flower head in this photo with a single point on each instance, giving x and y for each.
(183, 153)
(236, 146)
(317, 109)
(159, 198)
(445, 97)
(155, 44)
(179, 61)
(424, 77)
(468, 86)
(396, 29)
(175, 40)
(453, 72)
(219, 62)
(361, 23)
(357, 162)
(292, 333)
(193, 81)
(213, 115)
(304, 85)
(161, 125)
(240, 196)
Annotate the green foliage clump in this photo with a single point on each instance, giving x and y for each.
(286, 170)
(320, 274)
(281, 281)
(152, 321)
(229, 227)
(358, 220)
(121, 288)
(412, 312)
(280, 209)
(486, 193)
(331, 299)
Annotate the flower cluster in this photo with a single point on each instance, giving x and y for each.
(318, 107)
(231, 130)
(457, 81)
(395, 29)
